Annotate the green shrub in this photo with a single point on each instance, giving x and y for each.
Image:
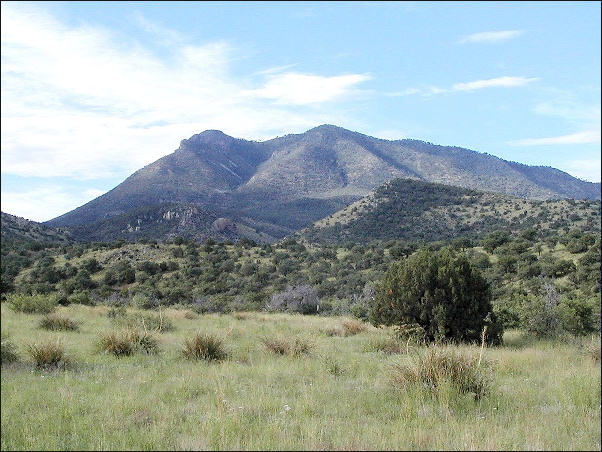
(204, 346)
(436, 367)
(441, 292)
(32, 304)
(8, 350)
(127, 342)
(47, 355)
(81, 297)
(56, 322)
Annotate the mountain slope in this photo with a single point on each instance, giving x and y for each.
(415, 210)
(281, 185)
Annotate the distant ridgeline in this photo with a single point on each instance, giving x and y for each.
(419, 211)
(216, 186)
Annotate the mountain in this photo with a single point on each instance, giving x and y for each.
(269, 189)
(18, 231)
(416, 210)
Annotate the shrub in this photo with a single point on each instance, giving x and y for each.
(56, 322)
(81, 297)
(437, 367)
(441, 292)
(293, 347)
(127, 342)
(8, 350)
(303, 299)
(50, 354)
(204, 346)
(32, 304)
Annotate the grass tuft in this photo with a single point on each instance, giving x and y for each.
(282, 346)
(204, 346)
(352, 327)
(48, 355)
(440, 366)
(8, 350)
(127, 342)
(56, 322)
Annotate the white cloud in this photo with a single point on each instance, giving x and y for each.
(45, 203)
(303, 89)
(586, 169)
(498, 82)
(494, 83)
(492, 36)
(80, 102)
(587, 136)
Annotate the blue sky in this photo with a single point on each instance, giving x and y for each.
(93, 91)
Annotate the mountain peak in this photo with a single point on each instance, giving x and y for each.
(216, 137)
(327, 128)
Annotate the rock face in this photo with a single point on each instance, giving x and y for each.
(275, 187)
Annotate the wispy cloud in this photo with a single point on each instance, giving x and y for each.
(587, 136)
(79, 102)
(589, 169)
(492, 36)
(494, 83)
(498, 82)
(303, 89)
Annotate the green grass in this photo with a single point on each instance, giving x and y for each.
(543, 395)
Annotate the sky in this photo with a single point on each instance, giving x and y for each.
(93, 91)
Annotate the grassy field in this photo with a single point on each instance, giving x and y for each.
(338, 395)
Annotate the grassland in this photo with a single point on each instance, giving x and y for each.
(340, 395)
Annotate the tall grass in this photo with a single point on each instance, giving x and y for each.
(48, 354)
(543, 395)
(56, 322)
(204, 346)
(127, 342)
(8, 350)
(439, 366)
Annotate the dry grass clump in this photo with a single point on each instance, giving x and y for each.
(8, 350)
(56, 322)
(592, 349)
(443, 366)
(240, 315)
(190, 315)
(348, 327)
(352, 327)
(282, 346)
(48, 355)
(157, 323)
(127, 342)
(336, 330)
(204, 346)
(388, 344)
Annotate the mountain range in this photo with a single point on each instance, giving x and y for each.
(218, 186)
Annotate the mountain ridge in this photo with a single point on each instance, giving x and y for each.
(324, 169)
